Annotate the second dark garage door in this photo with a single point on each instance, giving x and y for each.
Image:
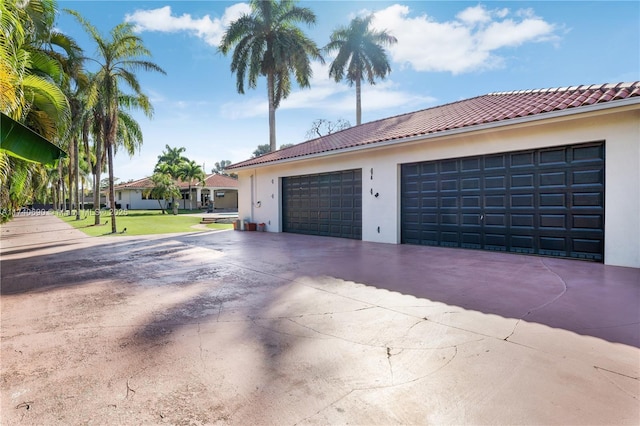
(328, 204)
(545, 201)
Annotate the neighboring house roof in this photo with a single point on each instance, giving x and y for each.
(492, 108)
(213, 180)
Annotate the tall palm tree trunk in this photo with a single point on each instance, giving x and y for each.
(71, 177)
(112, 194)
(358, 102)
(272, 111)
(76, 173)
(111, 132)
(96, 185)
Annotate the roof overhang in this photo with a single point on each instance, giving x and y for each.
(625, 104)
(21, 142)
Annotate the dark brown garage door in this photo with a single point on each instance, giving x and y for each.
(327, 204)
(545, 201)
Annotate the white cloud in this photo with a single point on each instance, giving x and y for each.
(206, 28)
(469, 43)
(473, 15)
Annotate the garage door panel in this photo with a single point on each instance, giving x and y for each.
(587, 177)
(323, 204)
(552, 179)
(522, 220)
(553, 157)
(471, 219)
(586, 221)
(494, 162)
(449, 185)
(494, 182)
(494, 201)
(588, 154)
(448, 202)
(582, 246)
(553, 221)
(449, 219)
(495, 241)
(522, 243)
(522, 201)
(427, 218)
(470, 201)
(493, 219)
(522, 159)
(470, 164)
(448, 166)
(471, 239)
(428, 202)
(553, 200)
(523, 182)
(548, 201)
(588, 199)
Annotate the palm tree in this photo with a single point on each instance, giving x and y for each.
(30, 78)
(121, 55)
(170, 163)
(191, 171)
(163, 187)
(268, 43)
(360, 51)
(74, 85)
(172, 155)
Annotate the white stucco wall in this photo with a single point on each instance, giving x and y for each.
(620, 130)
(133, 197)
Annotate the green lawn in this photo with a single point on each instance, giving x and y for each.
(140, 222)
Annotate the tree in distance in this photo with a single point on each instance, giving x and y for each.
(361, 54)
(268, 43)
(322, 127)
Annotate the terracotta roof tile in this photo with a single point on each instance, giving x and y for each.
(490, 108)
(213, 180)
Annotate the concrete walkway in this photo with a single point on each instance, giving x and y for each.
(277, 329)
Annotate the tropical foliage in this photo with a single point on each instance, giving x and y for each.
(171, 169)
(120, 56)
(191, 172)
(83, 103)
(267, 43)
(220, 168)
(45, 85)
(360, 56)
(31, 76)
(266, 148)
(164, 188)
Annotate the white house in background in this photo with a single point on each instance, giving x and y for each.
(220, 191)
(550, 172)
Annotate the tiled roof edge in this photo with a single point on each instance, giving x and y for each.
(567, 89)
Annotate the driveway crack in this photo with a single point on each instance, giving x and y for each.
(390, 364)
(392, 385)
(545, 304)
(600, 370)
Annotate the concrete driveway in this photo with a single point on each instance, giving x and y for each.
(229, 327)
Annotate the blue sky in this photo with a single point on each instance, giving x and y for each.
(446, 51)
